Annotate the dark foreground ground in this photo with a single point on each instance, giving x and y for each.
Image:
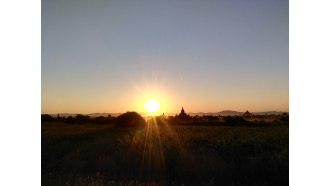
(94, 154)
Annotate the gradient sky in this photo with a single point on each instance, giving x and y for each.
(209, 56)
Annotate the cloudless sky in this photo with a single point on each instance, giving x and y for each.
(209, 56)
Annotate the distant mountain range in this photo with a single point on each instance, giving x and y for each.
(221, 113)
(234, 113)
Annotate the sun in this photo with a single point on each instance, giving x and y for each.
(152, 105)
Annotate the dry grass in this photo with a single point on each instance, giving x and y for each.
(164, 155)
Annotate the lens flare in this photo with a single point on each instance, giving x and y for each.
(151, 105)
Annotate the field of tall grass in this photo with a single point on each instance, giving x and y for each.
(94, 154)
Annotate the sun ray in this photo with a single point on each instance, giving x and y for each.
(151, 106)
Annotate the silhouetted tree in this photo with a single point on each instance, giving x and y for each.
(81, 118)
(284, 117)
(103, 120)
(46, 118)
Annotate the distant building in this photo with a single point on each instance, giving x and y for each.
(247, 114)
(183, 114)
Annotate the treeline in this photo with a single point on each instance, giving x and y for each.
(245, 118)
(78, 119)
(177, 119)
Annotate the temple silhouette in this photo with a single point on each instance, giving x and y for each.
(247, 114)
(183, 114)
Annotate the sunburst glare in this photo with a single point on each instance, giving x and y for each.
(151, 105)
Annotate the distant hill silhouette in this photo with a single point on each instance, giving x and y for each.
(130, 119)
(222, 113)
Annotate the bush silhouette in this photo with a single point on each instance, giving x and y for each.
(130, 119)
(234, 120)
(46, 118)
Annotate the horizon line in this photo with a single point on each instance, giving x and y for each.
(167, 112)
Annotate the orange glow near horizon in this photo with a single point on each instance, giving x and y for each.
(135, 94)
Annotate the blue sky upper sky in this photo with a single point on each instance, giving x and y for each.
(110, 56)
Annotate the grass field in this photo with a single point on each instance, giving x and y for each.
(93, 154)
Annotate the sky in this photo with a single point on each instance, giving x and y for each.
(205, 56)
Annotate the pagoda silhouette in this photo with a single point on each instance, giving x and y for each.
(247, 114)
(183, 115)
